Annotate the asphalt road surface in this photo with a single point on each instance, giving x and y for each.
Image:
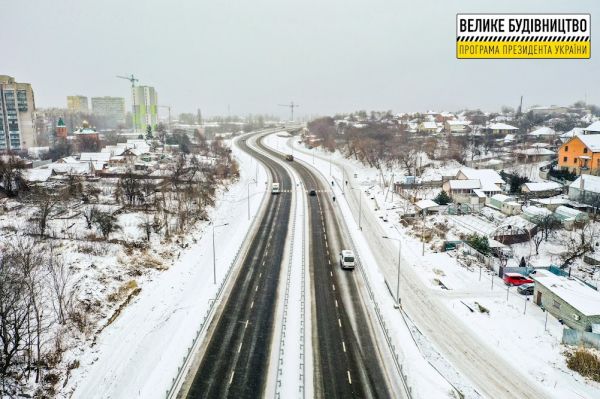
(235, 361)
(347, 361)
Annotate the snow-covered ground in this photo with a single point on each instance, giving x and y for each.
(138, 355)
(518, 338)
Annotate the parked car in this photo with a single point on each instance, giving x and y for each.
(525, 289)
(312, 193)
(516, 279)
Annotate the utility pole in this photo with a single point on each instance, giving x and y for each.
(214, 255)
(291, 106)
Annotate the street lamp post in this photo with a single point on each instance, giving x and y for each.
(398, 301)
(214, 255)
(250, 182)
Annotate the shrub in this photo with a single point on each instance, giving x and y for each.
(480, 243)
(585, 362)
(442, 198)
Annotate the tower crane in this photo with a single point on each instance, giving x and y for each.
(169, 108)
(291, 106)
(132, 79)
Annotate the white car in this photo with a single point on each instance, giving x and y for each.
(347, 259)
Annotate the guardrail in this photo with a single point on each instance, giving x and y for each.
(285, 309)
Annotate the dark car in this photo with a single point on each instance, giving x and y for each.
(525, 289)
(312, 193)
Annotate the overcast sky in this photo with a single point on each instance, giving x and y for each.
(327, 55)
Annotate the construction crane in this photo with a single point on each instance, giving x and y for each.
(291, 106)
(132, 79)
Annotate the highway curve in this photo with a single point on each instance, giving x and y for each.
(347, 360)
(235, 361)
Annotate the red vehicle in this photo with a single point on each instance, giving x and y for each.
(516, 279)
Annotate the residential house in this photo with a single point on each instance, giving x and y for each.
(535, 214)
(580, 154)
(429, 127)
(570, 300)
(594, 128)
(534, 154)
(543, 132)
(576, 131)
(500, 128)
(541, 189)
(472, 186)
(585, 189)
(454, 126)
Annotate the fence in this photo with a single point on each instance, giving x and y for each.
(576, 338)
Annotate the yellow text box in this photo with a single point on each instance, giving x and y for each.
(533, 50)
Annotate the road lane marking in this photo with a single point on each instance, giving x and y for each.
(349, 378)
(246, 326)
(231, 378)
(336, 305)
(240, 348)
(256, 289)
(340, 323)
(331, 274)
(333, 286)
(252, 305)
(343, 345)
(260, 275)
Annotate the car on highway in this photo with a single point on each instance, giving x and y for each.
(526, 289)
(347, 259)
(516, 279)
(312, 192)
(275, 188)
(289, 157)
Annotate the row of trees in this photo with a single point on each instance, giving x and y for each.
(37, 303)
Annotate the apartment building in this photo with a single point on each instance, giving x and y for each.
(78, 104)
(17, 115)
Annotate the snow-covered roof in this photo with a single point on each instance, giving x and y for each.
(543, 186)
(426, 204)
(536, 211)
(543, 131)
(458, 123)
(489, 175)
(94, 156)
(501, 197)
(591, 141)
(37, 175)
(69, 167)
(501, 126)
(588, 183)
(569, 212)
(577, 294)
(429, 125)
(509, 137)
(535, 151)
(594, 127)
(576, 131)
(466, 184)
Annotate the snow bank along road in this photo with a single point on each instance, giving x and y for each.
(235, 361)
(493, 375)
(347, 358)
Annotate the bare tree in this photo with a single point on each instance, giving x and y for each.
(44, 202)
(89, 214)
(579, 244)
(537, 240)
(61, 284)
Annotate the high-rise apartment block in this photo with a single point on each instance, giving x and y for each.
(145, 107)
(17, 115)
(77, 104)
(113, 108)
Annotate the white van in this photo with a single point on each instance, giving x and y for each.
(275, 188)
(347, 259)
